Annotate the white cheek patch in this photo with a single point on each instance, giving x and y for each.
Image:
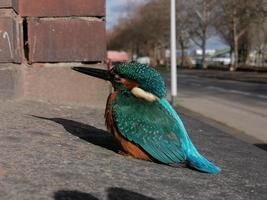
(140, 93)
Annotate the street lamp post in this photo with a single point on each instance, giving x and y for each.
(173, 52)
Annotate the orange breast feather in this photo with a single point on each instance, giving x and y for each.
(129, 147)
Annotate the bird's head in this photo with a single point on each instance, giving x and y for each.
(139, 79)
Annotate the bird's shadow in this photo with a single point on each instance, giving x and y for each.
(115, 193)
(73, 195)
(112, 193)
(262, 146)
(87, 133)
(97, 136)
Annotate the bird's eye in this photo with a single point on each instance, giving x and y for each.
(117, 78)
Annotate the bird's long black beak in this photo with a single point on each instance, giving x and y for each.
(98, 73)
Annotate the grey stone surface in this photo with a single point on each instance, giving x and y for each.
(59, 83)
(52, 83)
(50, 151)
(11, 85)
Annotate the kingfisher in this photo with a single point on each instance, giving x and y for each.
(141, 119)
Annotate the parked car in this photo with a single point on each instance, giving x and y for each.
(116, 57)
(221, 60)
(143, 60)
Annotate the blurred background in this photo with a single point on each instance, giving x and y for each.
(221, 55)
(232, 33)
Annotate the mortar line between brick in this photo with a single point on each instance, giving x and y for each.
(86, 18)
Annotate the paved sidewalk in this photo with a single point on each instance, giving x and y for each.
(59, 152)
(240, 105)
(252, 123)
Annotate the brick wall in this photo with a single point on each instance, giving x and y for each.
(43, 39)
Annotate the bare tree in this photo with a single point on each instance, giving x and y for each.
(202, 17)
(258, 42)
(143, 32)
(146, 30)
(236, 18)
(183, 25)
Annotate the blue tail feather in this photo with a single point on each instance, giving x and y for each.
(194, 158)
(200, 163)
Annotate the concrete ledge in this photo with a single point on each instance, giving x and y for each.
(55, 152)
(52, 83)
(58, 83)
(11, 81)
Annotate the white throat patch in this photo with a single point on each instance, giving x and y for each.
(140, 93)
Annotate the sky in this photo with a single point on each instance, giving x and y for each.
(118, 8)
(115, 8)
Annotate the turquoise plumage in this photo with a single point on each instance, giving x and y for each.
(156, 127)
(194, 158)
(151, 125)
(146, 77)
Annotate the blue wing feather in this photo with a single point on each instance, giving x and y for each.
(195, 159)
(150, 126)
(157, 128)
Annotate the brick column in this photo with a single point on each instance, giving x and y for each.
(45, 37)
(11, 85)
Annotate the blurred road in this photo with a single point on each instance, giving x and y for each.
(251, 95)
(240, 105)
